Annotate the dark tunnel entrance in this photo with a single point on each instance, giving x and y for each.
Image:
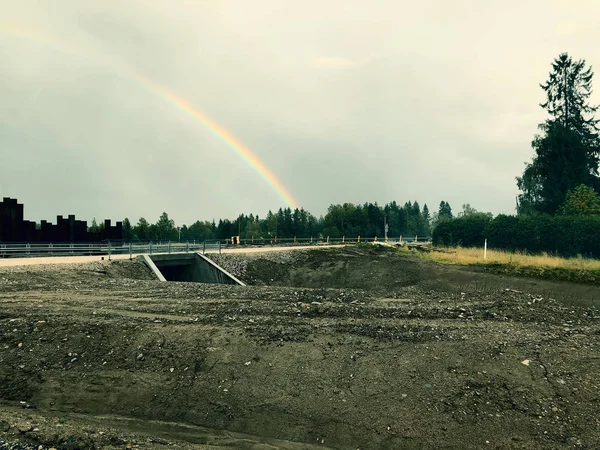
(190, 267)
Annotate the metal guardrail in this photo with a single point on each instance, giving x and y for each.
(106, 248)
(328, 240)
(24, 250)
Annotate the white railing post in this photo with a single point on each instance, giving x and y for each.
(485, 249)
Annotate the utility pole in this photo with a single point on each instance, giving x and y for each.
(385, 228)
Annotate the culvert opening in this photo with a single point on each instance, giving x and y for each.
(189, 267)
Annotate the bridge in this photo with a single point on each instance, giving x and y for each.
(68, 259)
(35, 253)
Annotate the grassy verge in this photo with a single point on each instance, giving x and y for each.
(580, 270)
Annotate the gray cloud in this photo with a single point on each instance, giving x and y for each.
(342, 100)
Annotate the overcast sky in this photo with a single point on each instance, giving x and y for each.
(344, 101)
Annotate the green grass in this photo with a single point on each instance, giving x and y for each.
(580, 270)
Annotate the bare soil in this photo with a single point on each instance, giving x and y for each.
(348, 348)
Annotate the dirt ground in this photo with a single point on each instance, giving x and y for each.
(349, 348)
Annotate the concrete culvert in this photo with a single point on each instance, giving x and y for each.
(189, 267)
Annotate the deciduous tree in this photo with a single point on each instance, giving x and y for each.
(581, 201)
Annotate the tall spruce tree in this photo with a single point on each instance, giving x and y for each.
(127, 230)
(426, 215)
(568, 146)
(445, 211)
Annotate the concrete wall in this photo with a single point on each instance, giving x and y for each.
(191, 267)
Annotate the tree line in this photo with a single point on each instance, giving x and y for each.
(561, 234)
(558, 209)
(367, 220)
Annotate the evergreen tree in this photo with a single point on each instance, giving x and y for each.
(225, 229)
(270, 226)
(288, 224)
(426, 215)
(445, 211)
(568, 148)
(402, 223)
(93, 228)
(165, 228)
(127, 230)
(200, 231)
(141, 230)
(184, 233)
(279, 229)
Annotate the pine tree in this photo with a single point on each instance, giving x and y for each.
(445, 211)
(93, 228)
(426, 215)
(142, 229)
(127, 230)
(165, 227)
(425, 220)
(568, 148)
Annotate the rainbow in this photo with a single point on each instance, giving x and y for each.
(225, 136)
(239, 149)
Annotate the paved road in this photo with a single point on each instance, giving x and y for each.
(8, 262)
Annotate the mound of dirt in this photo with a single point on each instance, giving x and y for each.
(386, 271)
(103, 356)
(366, 267)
